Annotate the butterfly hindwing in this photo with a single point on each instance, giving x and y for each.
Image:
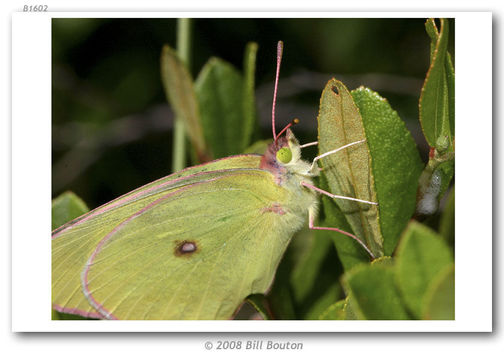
(193, 252)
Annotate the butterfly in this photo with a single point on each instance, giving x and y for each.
(194, 244)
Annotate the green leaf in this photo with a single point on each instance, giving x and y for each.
(439, 301)
(384, 260)
(62, 316)
(396, 164)
(334, 311)
(331, 293)
(421, 255)
(437, 99)
(179, 89)
(450, 78)
(259, 302)
(258, 147)
(314, 281)
(350, 309)
(431, 29)
(66, 207)
(437, 117)
(307, 280)
(219, 90)
(281, 297)
(368, 171)
(446, 171)
(348, 172)
(447, 222)
(349, 251)
(373, 294)
(249, 106)
(304, 275)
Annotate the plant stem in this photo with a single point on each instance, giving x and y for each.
(184, 53)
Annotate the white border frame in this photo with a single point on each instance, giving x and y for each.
(31, 183)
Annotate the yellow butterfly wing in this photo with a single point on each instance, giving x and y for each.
(194, 252)
(73, 243)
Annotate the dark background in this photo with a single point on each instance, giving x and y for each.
(111, 122)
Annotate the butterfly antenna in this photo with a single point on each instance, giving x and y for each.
(293, 122)
(279, 61)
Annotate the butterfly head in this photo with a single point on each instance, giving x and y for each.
(284, 156)
(287, 149)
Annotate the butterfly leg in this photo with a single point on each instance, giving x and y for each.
(314, 163)
(313, 187)
(311, 221)
(309, 144)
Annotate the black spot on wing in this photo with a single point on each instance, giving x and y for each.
(186, 248)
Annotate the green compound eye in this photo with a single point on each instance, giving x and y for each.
(284, 155)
